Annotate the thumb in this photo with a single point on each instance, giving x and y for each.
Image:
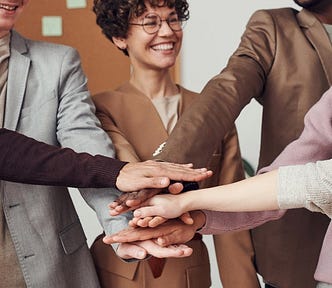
(127, 251)
(147, 211)
(175, 188)
(186, 218)
(166, 240)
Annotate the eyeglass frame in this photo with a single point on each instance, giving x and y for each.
(161, 22)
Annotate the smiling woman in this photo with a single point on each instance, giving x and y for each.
(139, 116)
(150, 34)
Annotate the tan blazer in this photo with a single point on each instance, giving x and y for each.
(284, 61)
(134, 125)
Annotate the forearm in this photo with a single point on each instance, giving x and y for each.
(26, 160)
(308, 186)
(212, 114)
(258, 193)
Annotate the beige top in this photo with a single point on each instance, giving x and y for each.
(10, 271)
(167, 108)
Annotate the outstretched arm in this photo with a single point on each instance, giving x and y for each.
(308, 186)
(252, 194)
(314, 144)
(24, 159)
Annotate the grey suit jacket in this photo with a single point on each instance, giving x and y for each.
(47, 99)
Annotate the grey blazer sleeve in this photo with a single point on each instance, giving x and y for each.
(79, 129)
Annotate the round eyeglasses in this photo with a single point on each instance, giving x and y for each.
(151, 23)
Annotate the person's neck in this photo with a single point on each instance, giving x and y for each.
(154, 84)
(323, 12)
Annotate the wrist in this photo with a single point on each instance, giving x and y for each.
(184, 202)
(188, 201)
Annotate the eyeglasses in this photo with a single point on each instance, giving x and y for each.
(151, 23)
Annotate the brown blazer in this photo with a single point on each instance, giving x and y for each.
(284, 61)
(134, 126)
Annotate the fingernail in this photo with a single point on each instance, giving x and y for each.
(163, 181)
(160, 241)
(106, 239)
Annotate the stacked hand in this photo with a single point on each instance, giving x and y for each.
(147, 215)
(139, 250)
(174, 231)
(148, 179)
(153, 174)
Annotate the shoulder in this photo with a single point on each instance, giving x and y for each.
(109, 100)
(109, 95)
(187, 93)
(104, 96)
(41, 49)
(275, 15)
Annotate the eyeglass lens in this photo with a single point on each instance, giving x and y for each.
(152, 23)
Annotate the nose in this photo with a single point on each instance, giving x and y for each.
(165, 29)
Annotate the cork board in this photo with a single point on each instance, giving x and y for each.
(105, 66)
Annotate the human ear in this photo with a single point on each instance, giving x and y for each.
(120, 42)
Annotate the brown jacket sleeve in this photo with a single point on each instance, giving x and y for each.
(23, 159)
(211, 116)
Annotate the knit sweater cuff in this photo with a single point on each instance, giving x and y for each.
(293, 187)
(107, 170)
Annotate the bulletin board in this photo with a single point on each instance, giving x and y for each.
(105, 66)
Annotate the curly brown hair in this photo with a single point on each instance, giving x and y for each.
(113, 16)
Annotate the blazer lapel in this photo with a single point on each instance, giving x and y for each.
(148, 131)
(318, 37)
(17, 77)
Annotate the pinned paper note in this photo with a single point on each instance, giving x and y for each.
(75, 4)
(52, 26)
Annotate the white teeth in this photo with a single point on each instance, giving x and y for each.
(163, 47)
(8, 7)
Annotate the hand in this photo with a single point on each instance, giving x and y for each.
(158, 220)
(166, 206)
(171, 232)
(153, 174)
(130, 201)
(129, 250)
(140, 250)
